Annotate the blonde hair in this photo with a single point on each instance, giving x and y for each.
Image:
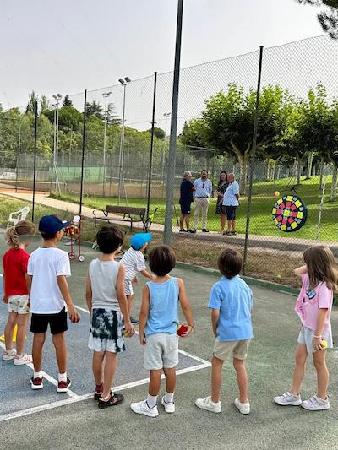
(321, 266)
(22, 228)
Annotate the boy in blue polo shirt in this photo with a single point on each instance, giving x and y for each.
(231, 305)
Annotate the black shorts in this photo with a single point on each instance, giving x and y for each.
(185, 208)
(58, 322)
(229, 211)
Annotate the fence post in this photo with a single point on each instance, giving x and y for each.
(251, 160)
(34, 157)
(151, 146)
(83, 151)
(170, 180)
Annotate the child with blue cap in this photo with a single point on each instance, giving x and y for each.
(133, 261)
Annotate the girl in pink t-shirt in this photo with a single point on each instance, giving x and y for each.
(313, 306)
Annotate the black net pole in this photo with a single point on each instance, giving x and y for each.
(34, 157)
(251, 160)
(83, 151)
(171, 166)
(151, 146)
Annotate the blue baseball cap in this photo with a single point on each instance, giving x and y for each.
(139, 240)
(52, 224)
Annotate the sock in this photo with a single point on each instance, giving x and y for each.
(169, 398)
(151, 400)
(38, 374)
(62, 376)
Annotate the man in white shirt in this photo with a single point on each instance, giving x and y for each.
(202, 194)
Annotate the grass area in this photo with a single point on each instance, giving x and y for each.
(263, 200)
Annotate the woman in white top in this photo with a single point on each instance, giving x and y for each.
(230, 204)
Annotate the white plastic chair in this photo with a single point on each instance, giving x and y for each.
(17, 216)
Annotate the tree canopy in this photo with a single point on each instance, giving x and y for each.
(327, 17)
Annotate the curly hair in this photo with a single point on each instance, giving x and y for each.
(14, 233)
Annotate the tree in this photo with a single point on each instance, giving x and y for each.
(94, 109)
(67, 101)
(44, 104)
(31, 102)
(158, 132)
(227, 124)
(328, 17)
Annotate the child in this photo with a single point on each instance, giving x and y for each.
(158, 329)
(231, 306)
(313, 306)
(107, 302)
(15, 262)
(48, 268)
(133, 261)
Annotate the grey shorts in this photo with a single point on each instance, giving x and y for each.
(161, 351)
(238, 349)
(128, 287)
(306, 335)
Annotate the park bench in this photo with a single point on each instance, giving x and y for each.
(129, 214)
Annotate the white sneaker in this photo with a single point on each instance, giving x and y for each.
(169, 407)
(20, 360)
(143, 408)
(208, 404)
(315, 403)
(9, 355)
(288, 399)
(243, 408)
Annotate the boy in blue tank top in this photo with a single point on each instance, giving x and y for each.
(158, 329)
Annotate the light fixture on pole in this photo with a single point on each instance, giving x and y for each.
(105, 96)
(123, 81)
(57, 98)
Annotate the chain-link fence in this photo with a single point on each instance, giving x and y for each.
(296, 143)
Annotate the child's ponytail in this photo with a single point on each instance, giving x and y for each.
(23, 228)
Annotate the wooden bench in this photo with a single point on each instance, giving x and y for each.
(129, 214)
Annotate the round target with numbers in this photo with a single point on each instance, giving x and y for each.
(289, 213)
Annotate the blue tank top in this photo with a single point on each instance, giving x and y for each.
(163, 307)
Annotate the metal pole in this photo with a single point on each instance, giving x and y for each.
(121, 146)
(83, 151)
(151, 145)
(34, 157)
(173, 133)
(17, 157)
(251, 159)
(104, 153)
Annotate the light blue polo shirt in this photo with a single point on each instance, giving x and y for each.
(234, 299)
(230, 198)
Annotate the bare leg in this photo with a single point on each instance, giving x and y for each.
(61, 351)
(233, 225)
(98, 366)
(223, 220)
(109, 372)
(187, 221)
(182, 222)
(9, 329)
(322, 373)
(242, 380)
(216, 378)
(130, 299)
(155, 382)
(21, 334)
(229, 225)
(38, 341)
(298, 373)
(170, 376)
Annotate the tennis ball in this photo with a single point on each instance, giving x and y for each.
(277, 194)
(324, 344)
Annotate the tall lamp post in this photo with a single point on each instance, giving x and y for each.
(123, 81)
(57, 98)
(105, 96)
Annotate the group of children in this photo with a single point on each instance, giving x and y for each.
(36, 284)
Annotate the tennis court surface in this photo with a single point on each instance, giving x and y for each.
(47, 420)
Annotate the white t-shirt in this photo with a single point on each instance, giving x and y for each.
(103, 280)
(45, 264)
(133, 261)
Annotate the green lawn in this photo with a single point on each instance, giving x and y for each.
(261, 222)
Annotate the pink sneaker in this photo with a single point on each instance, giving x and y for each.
(20, 360)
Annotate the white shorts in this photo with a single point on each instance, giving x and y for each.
(128, 287)
(18, 304)
(161, 351)
(306, 335)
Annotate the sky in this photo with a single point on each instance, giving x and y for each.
(69, 45)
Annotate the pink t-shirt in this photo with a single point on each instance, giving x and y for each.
(310, 301)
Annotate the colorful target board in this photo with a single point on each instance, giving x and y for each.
(289, 213)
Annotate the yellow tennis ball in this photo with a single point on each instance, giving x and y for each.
(277, 194)
(324, 344)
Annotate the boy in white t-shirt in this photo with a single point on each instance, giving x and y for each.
(133, 261)
(47, 270)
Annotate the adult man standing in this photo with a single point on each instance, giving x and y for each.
(202, 194)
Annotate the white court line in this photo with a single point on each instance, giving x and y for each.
(79, 398)
(48, 377)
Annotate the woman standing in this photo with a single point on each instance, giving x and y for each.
(186, 199)
(221, 188)
(230, 203)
